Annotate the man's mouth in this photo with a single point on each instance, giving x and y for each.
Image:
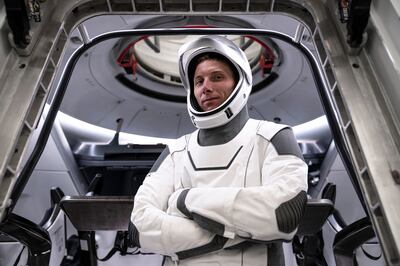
(209, 99)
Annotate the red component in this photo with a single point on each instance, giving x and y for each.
(267, 58)
(266, 63)
(127, 58)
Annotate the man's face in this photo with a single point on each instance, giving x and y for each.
(213, 83)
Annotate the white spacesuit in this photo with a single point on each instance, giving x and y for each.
(225, 193)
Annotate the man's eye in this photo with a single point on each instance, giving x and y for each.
(197, 82)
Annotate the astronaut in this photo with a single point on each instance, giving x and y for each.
(233, 190)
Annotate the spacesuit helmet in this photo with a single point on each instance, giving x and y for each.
(188, 55)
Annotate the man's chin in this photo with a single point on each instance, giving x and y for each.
(211, 106)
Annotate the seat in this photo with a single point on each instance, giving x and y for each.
(43, 241)
(349, 239)
(99, 213)
(315, 215)
(308, 242)
(95, 213)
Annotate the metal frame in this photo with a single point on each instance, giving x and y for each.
(367, 130)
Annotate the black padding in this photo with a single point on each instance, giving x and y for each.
(133, 236)
(210, 225)
(204, 222)
(285, 143)
(160, 159)
(329, 192)
(314, 217)
(216, 244)
(225, 133)
(289, 213)
(180, 204)
(275, 254)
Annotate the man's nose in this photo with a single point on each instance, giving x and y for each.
(207, 86)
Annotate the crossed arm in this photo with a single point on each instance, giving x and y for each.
(262, 213)
(154, 229)
(196, 221)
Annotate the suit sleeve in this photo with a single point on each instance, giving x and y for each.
(262, 213)
(153, 230)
